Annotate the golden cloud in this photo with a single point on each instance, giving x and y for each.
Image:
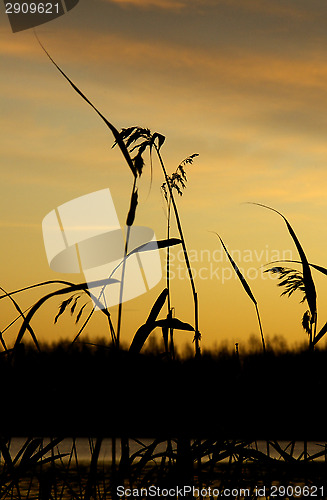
(161, 4)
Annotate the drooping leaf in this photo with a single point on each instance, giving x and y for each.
(175, 324)
(246, 288)
(113, 129)
(4, 449)
(45, 449)
(161, 139)
(22, 314)
(321, 269)
(30, 450)
(153, 245)
(157, 306)
(144, 331)
(67, 289)
(238, 272)
(310, 289)
(319, 335)
(140, 337)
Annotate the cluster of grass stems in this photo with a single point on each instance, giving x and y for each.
(181, 457)
(39, 470)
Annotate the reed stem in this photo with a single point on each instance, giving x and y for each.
(187, 262)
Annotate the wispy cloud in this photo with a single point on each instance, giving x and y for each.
(145, 4)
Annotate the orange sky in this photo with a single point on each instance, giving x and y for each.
(244, 84)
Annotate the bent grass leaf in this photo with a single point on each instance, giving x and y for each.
(113, 129)
(153, 245)
(246, 288)
(238, 272)
(4, 449)
(144, 331)
(175, 324)
(21, 313)
(146, 247)
(320, 335)
(30, 450)
(321, 269)
(68, 289)
(161, 139)
(310, 289)
(157, 306)
(140, 337)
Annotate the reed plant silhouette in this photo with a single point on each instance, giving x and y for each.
(180, 455)
(307, 282)
(133, 143)
(177, 181)
(293, 280)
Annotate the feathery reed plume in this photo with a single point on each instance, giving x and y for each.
(292, 281)
(67, 289)
(177, 180)
(306, 316)
(197, 335)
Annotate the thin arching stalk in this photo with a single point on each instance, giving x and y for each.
(169, 312)
(260, 327)
(187, 261)
(128, 223)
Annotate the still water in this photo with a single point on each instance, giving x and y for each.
(84, 447)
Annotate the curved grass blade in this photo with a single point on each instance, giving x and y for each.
(29, 328)
(320, 335)
(144, 331)
(116, 134)
(310, 289)
(68, 289)
(238, 272)
(321, 269)
(246, 288)
(157, 306)
(36, 285)
(175, 323)
(154, 245)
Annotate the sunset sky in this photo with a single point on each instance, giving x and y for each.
(243, 83)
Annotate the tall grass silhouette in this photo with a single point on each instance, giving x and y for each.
(177, 181)
(246, 288)
(168, 460)
(308, 284)
(133, 142)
